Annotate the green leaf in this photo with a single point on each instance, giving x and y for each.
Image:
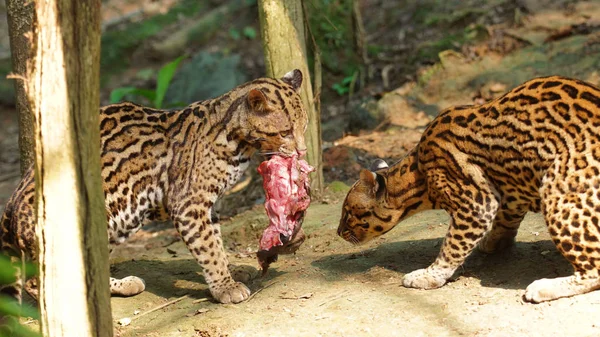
(7, 271)
(235, 34)
(7, 274)
(165, 75)
(11, 307)
(340, 89)
(249, 32)
(118, 94)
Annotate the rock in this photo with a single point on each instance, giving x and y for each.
(207, 75)
(364, 115)
(594, 78)
(341, 163)
(396, 110)
(390, 144)
(492, 90)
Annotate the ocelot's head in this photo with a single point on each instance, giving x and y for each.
(381, 198)
(276, 118)
(364, 213)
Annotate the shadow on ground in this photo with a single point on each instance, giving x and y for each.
(498, 270)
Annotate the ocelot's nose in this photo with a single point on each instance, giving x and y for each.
(301, 152)
(284, 238)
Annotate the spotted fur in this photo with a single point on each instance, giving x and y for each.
(173, 165)
(537, 148)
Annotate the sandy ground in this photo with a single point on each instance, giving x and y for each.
(331, 288)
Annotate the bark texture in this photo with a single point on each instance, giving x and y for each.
(63, 90)
(284, 45)
(20, 18)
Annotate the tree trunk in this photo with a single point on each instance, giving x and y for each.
(63, 90)
(20, 17)
(284, 45)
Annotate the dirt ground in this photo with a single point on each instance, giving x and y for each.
(332, 288)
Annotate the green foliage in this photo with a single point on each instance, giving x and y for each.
(118, 44)
(344, 86)
(234, 34)
(156, 97)
(331, 26)
(6, 276)
(248, 32)
(332, 22)
(165, 75)
(9, 307)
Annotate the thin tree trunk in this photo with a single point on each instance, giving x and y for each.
(20, 17)
(63, 91)
(284, 45)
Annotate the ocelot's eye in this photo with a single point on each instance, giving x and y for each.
(285, 134)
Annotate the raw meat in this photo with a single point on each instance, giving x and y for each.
(286, 185)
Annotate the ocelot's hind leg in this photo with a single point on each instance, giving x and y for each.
(31, 287)
(127, 286)
(503, 232)
(574, 227)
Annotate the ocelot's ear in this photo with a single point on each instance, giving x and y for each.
(257, 101)
(370, 181)
(293, 78)
(378, 164)
(374, 183)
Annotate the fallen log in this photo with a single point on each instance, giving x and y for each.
(197, 31)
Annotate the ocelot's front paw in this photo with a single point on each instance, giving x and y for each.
(234, 292)
(424, 279)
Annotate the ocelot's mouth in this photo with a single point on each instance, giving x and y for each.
(281, 152)
(284, 154)
(287, 153)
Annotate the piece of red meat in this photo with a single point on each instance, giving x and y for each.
(286, 185)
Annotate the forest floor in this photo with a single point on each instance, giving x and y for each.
(332, 288)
